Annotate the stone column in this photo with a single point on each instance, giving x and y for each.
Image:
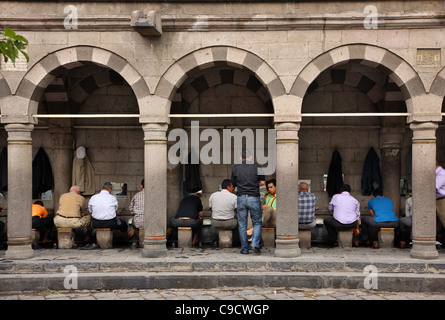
(62, 142)
(19, 191)
(155, 174)
(391, 144)
(424, 190)
(287, 242)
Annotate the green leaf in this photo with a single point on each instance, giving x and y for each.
(9, 33)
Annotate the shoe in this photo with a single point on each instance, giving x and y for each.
(375, 245)
(355, 244)
(90, 246)
(134, 246)
(244, 252)
(256, 250)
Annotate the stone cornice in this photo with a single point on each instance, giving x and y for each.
(173, 23)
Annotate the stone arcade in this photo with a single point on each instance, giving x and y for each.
(120, 76)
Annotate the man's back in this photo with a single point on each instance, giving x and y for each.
(71, 204)
(103, 206)
(223, 204)
(346, 208)
(246, 178)
(383, 209)
(306, 207)
(189, 207)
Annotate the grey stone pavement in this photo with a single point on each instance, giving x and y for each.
(320, 274)
(247, 294)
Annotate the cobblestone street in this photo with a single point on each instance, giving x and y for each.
(223, 294)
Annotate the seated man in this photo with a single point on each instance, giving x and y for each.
(71, 210)
(103, 207)
(270, 205)
(223, 206)
(405, 224)
(346, 213)
(40, 220)
(269, 217)
(306, 207)
(189, 214)
(382, 215)
(137, 210)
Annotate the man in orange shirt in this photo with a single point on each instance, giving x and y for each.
(40, 220)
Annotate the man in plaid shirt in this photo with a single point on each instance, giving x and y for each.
(137, 209)
(306, 207)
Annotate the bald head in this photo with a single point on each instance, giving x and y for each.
(303, 186)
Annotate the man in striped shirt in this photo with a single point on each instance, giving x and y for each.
(137, 209)
(269, 218)
(270, 205)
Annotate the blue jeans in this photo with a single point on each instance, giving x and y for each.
(244, 204)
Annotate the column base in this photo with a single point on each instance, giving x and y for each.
(424, 250)
(17, 252)
(287, 248)
(155, 248)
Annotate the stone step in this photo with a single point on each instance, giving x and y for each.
(226, 264)
(206, 280)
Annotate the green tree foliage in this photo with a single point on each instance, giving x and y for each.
(11, 44)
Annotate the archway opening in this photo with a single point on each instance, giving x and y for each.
(351, 108)
(217, 106)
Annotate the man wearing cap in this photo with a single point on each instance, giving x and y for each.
(189, 214)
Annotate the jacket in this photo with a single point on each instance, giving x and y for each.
(42, 173)
(371, 177)
(83, 175)
(335, 175)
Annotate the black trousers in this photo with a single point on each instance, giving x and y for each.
(332, 226)
(41, 223)
(114, 223)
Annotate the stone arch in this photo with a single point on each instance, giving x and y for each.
(217, 56)
(5, 90)
(438, 85)
(401, 72)
(44, 71)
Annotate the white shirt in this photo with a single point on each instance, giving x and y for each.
(103, 206)
(223, 204)
(346, 208)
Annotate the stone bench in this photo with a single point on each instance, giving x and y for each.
(386, 237)
(184, 237)
(305, 237)
(268, 237)
(104, 238)
(345, 238)
(225, 237)
(65, 238)
(35, 237)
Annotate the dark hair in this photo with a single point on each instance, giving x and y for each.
(226, 183)
(345, 187)
(107, 186)
(142, 183)
(245, 154)
(272, 181)
(377, 192)
(40, 203)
